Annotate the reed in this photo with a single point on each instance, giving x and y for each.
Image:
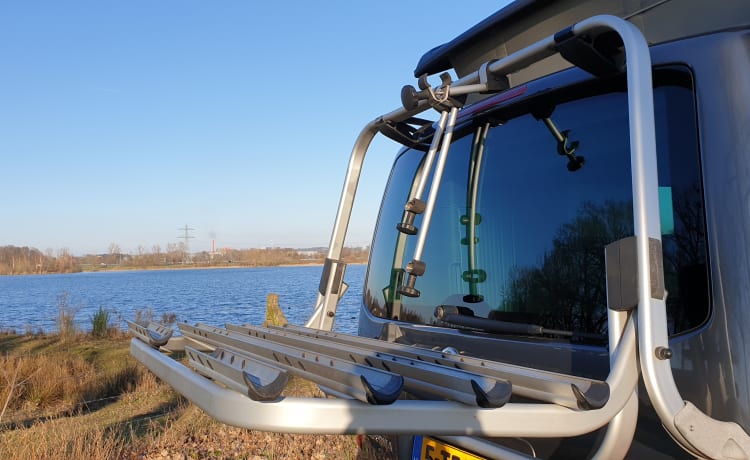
(100, 323)
(66, 315)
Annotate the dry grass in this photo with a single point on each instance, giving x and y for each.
(63, 375)
(72, 399)
(32, 382)
(87, 398)
(73, 440)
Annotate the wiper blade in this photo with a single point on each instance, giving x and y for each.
(464, 317)
(459, 316)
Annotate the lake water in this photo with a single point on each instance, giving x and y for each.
(216, 296)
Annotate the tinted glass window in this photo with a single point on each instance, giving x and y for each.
(534, 250)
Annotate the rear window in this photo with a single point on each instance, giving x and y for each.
(534, 250)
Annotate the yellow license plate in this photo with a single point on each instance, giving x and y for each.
(426, 448)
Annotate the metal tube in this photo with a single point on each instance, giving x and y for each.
(430, 158)
(324, 310)
(353, 173)
(652, 321)
(471, 211)
(621, 430)
(435, 187)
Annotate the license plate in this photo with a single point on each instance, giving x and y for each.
(426, 448)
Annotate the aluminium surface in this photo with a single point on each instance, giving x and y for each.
(367, 384)
(565, 390)
(155, 334)
(338, 416)
(261, 381)
(429, 380)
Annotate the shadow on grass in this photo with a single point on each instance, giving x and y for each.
(136, 424)
(141, 425)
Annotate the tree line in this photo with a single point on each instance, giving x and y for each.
(24, 260)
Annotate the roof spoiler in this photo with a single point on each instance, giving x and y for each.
(473, 401)
(528, 21)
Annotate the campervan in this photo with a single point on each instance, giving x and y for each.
(561, 262)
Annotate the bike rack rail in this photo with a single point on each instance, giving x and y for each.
(564, 390)
(350, 414)
(153, 333)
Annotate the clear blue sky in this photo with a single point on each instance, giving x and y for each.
(122, 121)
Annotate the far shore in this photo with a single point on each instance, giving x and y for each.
(204, 267)
(131, 268)
(115, 268)
(30, 261)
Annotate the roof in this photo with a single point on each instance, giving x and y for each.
(524, 22)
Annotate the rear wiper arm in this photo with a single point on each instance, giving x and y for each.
(464, 317)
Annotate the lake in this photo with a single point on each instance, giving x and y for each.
(214, 296)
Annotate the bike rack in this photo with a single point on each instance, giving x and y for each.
(350, 415)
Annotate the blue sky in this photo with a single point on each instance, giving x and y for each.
(122, 121)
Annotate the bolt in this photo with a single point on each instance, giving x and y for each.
(663, 353)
